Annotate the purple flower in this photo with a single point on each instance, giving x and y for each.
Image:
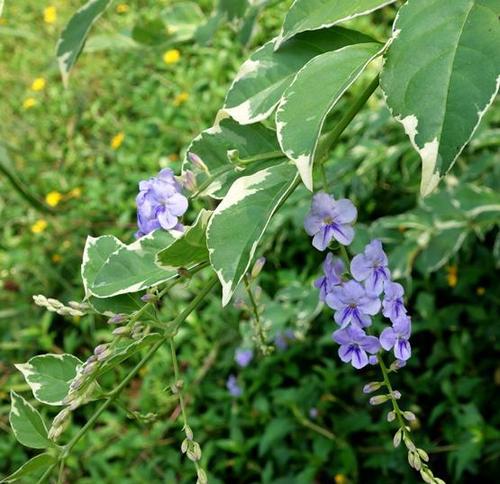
(282, 339)
(392, 305)
(330, 219)
(243, 357)
(353, 304)
(160, 203)
(232, 385)
(332, 269)
(354, 345)
(397, 337)
(371, 266)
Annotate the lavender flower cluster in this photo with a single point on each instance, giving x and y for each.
(160, 203)
(371, 290)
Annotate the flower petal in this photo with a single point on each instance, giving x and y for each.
(360, 267)
(346, 211)
(387, 338)
(359, 358)
(402, 350)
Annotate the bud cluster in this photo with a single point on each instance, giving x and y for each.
(72, 309)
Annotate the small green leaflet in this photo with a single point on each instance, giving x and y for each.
(320, 14)
(441, 73)
(27, 424)
(300, 116)
(131, 268)
(73, 36)
(49, 376)
(189, 249)
(240, 220)
(213, 147)
(264, 77)
(36, 465)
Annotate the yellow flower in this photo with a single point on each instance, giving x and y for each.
(117, 140)
(53, 198)
(29, 103)
(38, 84)
(171, 56)
(75, 193)
(340, 479)
(49, 15)
(122, 8)
(39, 226)
(480, 291)
(452, 275)
(182, 97)
(56, 258)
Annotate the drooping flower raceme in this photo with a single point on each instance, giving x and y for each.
(397, 337)
(371, 267)
(353, 304)
(330, 219)
(160, 203)
(333, 269)
(354, 346)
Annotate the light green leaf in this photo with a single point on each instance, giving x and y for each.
(441, 74)
(37, 464)
(300, 116)
(189, 249)
(241, 219)
(1, 7)
(182, 20)
(27, 424)
(213, 147)
(233, 9)
(126, 350)
(49, 376)
(121, 304)
(73, 36)
(320, 14)
(132, 268)
(263, 78)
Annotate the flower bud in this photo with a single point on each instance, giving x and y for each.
(102, 356)
(379, 399)
(372, 386)
(202, 477)
(257, 267)
(148, 297)
(410, 416)
(396, 394)
(100, 349)
(426, 475)
(122, 330)
(55, 432)
(409, 444)
(60, 418)
(184, 446)
(117, 319)
(423, 455)
(189, 181)
(198, 162)
(391, 416)
(194, 453)
(40, 300)
(55, 303)
(397, 438)
(397, 365)
(372, 360)
(76, 383)
(188, 432)
(89, 367)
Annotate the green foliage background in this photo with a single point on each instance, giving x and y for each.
(64, 142)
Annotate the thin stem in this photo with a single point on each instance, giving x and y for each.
(394, 402)
(331, 138)
(61, 472)
(46, 474)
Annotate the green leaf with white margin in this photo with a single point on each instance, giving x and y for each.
(319, 14)
(441, 74)
(264, 77)
(189, 249)
(36, 465)
(132, 268)
(73, 36)
(214, 145)
(300, 116)
(27, 424)
(240, 220)
(182, 20)
(49, 376)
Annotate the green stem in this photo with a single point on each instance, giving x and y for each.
(394, 402)
(330, 139)
(46, 474)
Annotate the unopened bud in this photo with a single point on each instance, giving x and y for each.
(40, 300)
(372, 386)
(76, 383)
(426, 475)
(194, 452)
(396, 394)
(102, 356)
(397, 365)
(60, 418)
(189, 181)
(410, 416)
(89, 368)
(379, 399)
(55, 303)
(202, 476)
(233, 156)
(257, 267)
(174, 389)
(188, 432)
(414, 460)
(184, 446)
(55, 432)
(409, 444)
(397, 438)
(117, 319)
(198, 162)
(148, 297)
(423, 455)
(122, 330)
(391, 416)
(100, 349)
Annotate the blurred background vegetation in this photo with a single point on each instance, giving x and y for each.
(129, 110)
